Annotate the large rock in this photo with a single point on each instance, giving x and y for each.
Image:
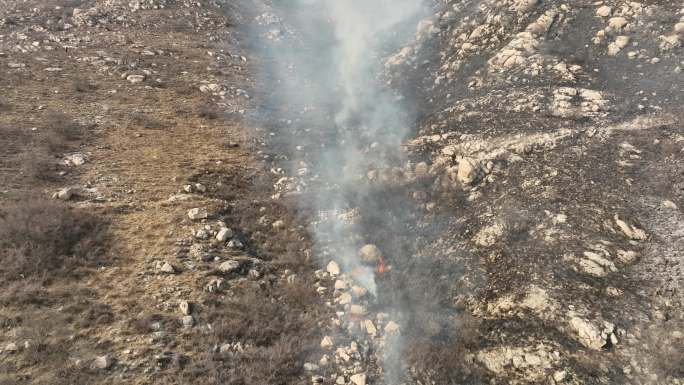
(595, 264)
(167, 268)
(370, 254)
(198, 213)
(327, 342)
(422, 169)
(358, 379)
(229, 266)
(468, 171)
(103, 362)
(524, 6)
(224, 234)
(391, 328)
(184, 307)
(133, 79)
(75, 159)
(357, 310)
(631, 231)
(617, 23)
(604, 11)
(188, 321)
(66, 193)
(333, 268)
(588, 334)
(615, 47)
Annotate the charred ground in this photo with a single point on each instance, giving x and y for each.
(528, 267)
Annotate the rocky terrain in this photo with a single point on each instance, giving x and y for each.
(166, 215)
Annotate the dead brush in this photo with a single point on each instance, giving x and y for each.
(50, 348)
(143, 120)
(39, 236)
(38, 164)
(83, 86)
(208, 111)
(60, 129)
(276, 327)
(32, 154)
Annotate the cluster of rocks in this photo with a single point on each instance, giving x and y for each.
(353, 351)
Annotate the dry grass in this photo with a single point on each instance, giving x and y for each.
(276, 327)
(83, 86)
(39, 237)
(208, 112)
(61, 129)
(34, 153)
(46, 247)
(143, 120)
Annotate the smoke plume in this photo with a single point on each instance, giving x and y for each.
(338, 119)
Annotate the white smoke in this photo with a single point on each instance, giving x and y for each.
(334, 67)
(369, 120)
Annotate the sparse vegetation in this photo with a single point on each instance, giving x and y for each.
(276, 329)
(208, 112)
(60, 131)
(523, 126)
(82, 85)
(39, 237)
(146, 121)
(31, 154)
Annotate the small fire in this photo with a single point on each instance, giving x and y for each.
(380, 268)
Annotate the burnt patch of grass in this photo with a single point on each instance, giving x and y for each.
(40, 236)
(442, 359)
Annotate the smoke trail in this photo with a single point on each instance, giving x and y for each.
(349, 122)
(370, 123)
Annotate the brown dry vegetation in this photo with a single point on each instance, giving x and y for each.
(78, 277)
(41, 237)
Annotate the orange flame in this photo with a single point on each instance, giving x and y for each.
(380, 268)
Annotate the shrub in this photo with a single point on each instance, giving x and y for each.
(38, 236)
(62, 128)
(81, 85)
(208, 112)
(277, 327)
(146, 121)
